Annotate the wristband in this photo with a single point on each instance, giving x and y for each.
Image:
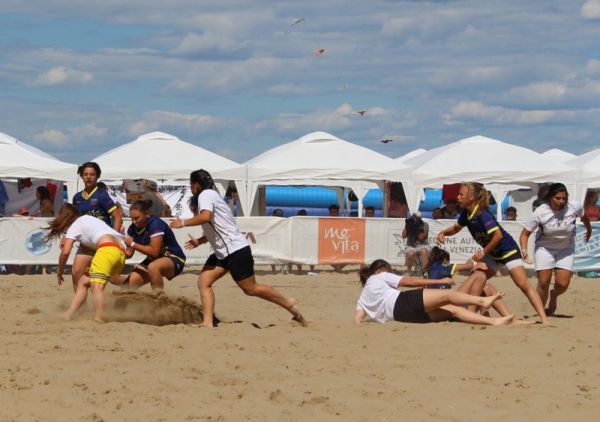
(182, 223)
(132, 245)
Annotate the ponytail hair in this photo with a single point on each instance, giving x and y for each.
(66, 216)
(205, 180)
(142, 205)
(368, 271)
(437, 254)
(479, 195)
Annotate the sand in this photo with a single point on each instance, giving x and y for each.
(259, 365)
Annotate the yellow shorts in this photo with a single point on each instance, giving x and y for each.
(108, 261)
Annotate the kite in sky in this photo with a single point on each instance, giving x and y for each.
(362, 112)
(297, 21)
(385, 141)
(320, 51)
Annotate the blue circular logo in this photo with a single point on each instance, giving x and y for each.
(34, 242)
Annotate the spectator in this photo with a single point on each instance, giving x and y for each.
(302, 212)
(437, 213)
(232, 199)
(3, 199)
(450, 210)
(334, 210)
(158, 203)
(511, 214)
(370, 212)
(590, 205)
(46, 205)
(416, 233)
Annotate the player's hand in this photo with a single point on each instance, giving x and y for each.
(480, 266)
(448, 280)
(192, 243)
(478, 256)
(128, 241)
(59, 279)
(441, 238)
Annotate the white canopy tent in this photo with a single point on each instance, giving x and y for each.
(19, 160)
(559, 155)
(321, 159)
(588, 172)
(502, 167)
(410, 155)
(166, 158)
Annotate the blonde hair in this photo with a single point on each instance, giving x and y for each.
(479, 195)
(66, 216)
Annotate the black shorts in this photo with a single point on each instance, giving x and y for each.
(409, 307)
(179, 264)
(240, 263)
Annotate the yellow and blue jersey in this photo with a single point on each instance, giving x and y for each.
(482, 227)
(98, 204)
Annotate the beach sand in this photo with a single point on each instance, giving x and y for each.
(259, 365)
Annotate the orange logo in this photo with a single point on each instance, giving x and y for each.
(341, 240)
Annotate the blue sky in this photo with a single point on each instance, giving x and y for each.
(237, 77)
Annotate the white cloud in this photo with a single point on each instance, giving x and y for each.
(169, 120)
(90, 130)
(61, 75)
(590, 10)
(540, 92)
(494, 114)
(290, 89)
(593, 67)
(53, 136)
(193, 44)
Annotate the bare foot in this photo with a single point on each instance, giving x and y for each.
(487, 301)
(551, 303)
(99, 320)
(66, 316)
(505, 320)
(295, 311)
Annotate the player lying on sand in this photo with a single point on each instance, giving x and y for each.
(381, 301)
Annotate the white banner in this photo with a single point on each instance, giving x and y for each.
(302, 240)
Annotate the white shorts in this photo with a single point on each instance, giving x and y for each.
(548, 259)
(418, 248)
(495, 265)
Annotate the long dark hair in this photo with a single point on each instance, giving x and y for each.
(437, 254)
(553, 189)
(66, 216)
(205, 180)
(378, 264)
(44, 192)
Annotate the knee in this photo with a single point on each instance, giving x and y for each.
(249, 290)
(543, 285)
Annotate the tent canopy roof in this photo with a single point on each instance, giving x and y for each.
(559, 155)
(320, 155)
(410, 155)
(486, 160)
(588, 166)
(18, 159)
(159, 155)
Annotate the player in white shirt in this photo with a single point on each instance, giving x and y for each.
(108, 260)
(231, 251)
(555, 242)
(381, 301)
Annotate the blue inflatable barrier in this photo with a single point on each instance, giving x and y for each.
(316, 200)
(315, 197)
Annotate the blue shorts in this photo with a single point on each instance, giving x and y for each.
(178, 263)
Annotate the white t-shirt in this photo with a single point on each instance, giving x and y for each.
(379, 295)
(87, 230)
(556, 228)
(222, 231)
